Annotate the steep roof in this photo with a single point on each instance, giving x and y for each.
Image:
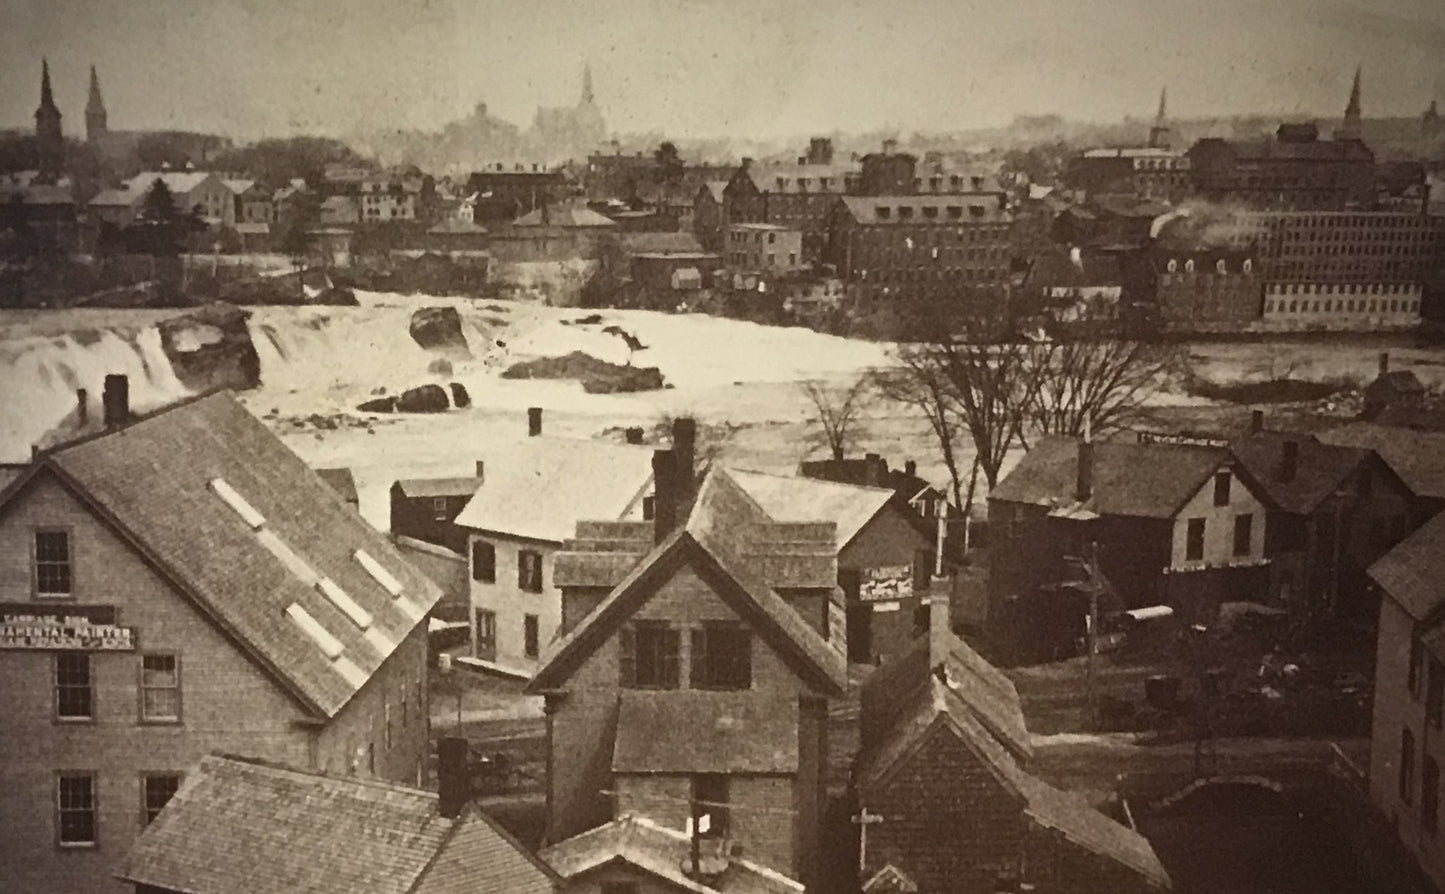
(940, 709)
(1140, 480)
(438, 487)
(1398, 381)
(785, 177)
(573, 215)
(792, 498)
(540, 487)
(662, 853)
(715, 189)
(238, 186)
(728, 732)
(178, 182)
(453, 226)
(119, 198)
(342, 480)
(1418, 457)
(711, 541)
(1320, 469)
(240, 826)
(1413, 573)
(242, 526)
(984, 690)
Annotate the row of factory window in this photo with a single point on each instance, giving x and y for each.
(928, 212)
(1338, 305)
(741, 234)
(77, 822)
(1343, 289)
(742, 259)
(1342, 220)
(872, 253)
(917, 274)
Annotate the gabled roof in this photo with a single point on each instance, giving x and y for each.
(237, 522)
(790, 498)
(1413, 573)
(1139, 480)
(939, 709)
(715, 189)
(178, 182)
(728, 732)
(660, 852)
(454, 226)
(1399, 381)
(438, 487)
(116, 198)
(1418, 457)
(239, 826)
(538, 488)
(717, 526)
(984, 690)
(570, 215)
(767, 177)
(1320, 469)
(238, 186)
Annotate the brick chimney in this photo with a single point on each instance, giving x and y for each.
(873, 470)
(115, 400)
(684, 449)
(664, 490)
(453, 782)
(82, 412)
(1084, 481)
(534, 421)
(481, 470)
(634, 436)
(1289, 461)
(910, 468)
(1256, 421)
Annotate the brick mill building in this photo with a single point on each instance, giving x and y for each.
(177, 584)
(947, 802)
(694, 675)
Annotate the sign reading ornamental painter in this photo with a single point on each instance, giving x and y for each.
(885, 584)
(81, 628)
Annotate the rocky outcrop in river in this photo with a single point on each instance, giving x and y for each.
(211, 348)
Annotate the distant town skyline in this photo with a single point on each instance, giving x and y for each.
(698, 69)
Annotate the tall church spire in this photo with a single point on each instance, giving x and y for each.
(1351, 128)
(95, 118)
(1159, 133)
(47, 128)
(587, 96)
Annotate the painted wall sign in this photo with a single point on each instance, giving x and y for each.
(885, 584)
(80, 628)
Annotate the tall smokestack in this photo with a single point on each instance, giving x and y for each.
(453, 784)
(1084, 482)
(1289, 461)
(534, 421)
(115, 400)
(664, 490)
(684, 449)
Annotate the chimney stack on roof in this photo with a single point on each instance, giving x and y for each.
(938, 621)
(910, 468)
(1384, 362)
(873, 466)
(534, 421)
(664, 490)
(1256, 421)
(453, 782)
(634, 435)
(115, 400)
(82, 412)
(1084, 482)
(1289, 461)
(481, 470)
(684, 451)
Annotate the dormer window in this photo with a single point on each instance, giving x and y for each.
(1172, 266)
(1189, 266)
(1220, 267)
(1248, 266)
(905, 212)
(883, 212)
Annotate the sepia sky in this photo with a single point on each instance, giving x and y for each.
(696, 68)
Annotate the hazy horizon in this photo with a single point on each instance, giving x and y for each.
(699, 69)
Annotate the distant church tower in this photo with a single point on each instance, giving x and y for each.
(49, 142)
(1159, 133)
(95, 129)
(1351, 129)
(587, 96)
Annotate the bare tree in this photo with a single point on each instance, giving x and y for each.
(918, 382)
(1099, 382)
(840, 412)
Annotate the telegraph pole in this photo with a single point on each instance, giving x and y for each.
(863, 819)
(1092, 629)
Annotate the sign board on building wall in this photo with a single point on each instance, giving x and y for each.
(82, 628)
(885, 584)
(1181, 440)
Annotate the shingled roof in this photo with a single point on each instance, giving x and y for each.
(1319, 470)
(662, 853)
(266, 549)
(1418, 457)
(718, 541)
(1138, 480)
(239, 826)
(792, 498)
(1413, 573)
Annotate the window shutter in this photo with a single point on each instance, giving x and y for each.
(697, 675)
(627, 657)
(670, 658)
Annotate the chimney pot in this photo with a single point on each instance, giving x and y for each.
(1084, 488)
(1256, 421)
(453, 784)
(115, 400)
(534, 421)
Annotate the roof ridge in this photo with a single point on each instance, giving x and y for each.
(137, 418)
(291, 770)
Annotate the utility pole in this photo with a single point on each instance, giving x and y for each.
(1091, 629)
(863, 819)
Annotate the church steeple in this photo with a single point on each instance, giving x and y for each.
(587, 96)
(1350, 129)
(95, 118)
(1159, 133)
(50, 144)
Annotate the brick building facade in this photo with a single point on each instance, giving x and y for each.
(231, 602)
